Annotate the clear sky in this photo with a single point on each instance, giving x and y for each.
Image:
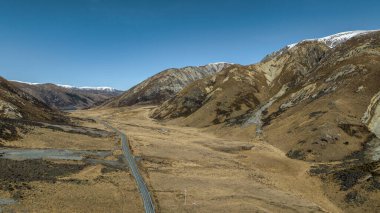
(119, 43)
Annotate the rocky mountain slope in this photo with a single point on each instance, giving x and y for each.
(223, 97)
(18, 106)
(308, 73)
(66, 97)
(329, 103)
(317, 100)
(164, 85)
(216, 99)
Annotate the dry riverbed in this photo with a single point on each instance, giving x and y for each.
(66, 169)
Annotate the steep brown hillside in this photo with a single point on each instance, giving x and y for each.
(164, 85)
(237, 91)
(317, 100)
(16, 105)
(298, 85)
(322, 117)
(221, 98)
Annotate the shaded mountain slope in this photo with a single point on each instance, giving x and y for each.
(17, 104)
(66, 97)
(18, 107)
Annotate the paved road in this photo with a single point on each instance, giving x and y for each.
(144, 192)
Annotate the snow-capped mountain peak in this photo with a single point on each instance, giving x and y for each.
(23, 82)
(109, 89)
(336, 39)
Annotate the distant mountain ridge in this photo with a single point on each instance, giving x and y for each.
(17, 104)
(164, 85)
(66, 97)
(110, 89)
(17, 107)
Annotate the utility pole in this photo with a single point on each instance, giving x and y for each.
(185, 197)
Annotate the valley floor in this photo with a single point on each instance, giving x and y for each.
(81, 169)
(192, 170)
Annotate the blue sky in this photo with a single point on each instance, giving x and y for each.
(119, 43)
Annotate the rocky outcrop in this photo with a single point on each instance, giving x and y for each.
(372, 115)
(8, 110)
(291, 64)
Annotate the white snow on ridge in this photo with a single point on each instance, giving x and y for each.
(333, 40)
(336, 39)
(290, 46)
(109, 89)
(22, 82)
(87, 88)
(216, 63)
(65, 86)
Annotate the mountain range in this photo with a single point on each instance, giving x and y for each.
(65, 97)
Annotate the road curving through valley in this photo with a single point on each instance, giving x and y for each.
(144, 191)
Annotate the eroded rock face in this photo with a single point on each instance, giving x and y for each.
(291, 64)
(372, 115)
(374, 125)
(8, 110)
(164, 85)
